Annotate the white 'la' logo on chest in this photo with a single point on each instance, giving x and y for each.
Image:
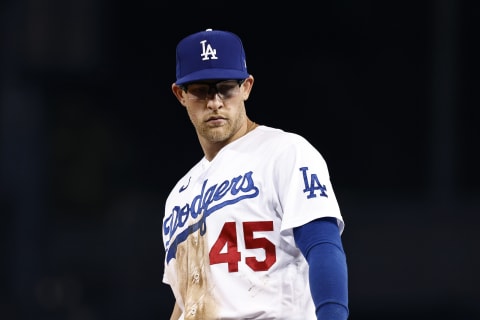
(208, 51)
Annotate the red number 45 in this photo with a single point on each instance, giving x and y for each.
(228, 237)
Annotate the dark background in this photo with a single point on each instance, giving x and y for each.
(92, 139)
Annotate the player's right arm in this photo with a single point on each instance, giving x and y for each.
(176, 313)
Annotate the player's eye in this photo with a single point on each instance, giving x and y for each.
(199, 91)
(224, 89)
(227, 89)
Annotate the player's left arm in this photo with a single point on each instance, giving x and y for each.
(320, 243)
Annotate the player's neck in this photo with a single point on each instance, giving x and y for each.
(251, 125)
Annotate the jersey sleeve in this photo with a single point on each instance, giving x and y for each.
(303, 183)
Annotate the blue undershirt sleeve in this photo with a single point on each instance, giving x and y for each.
(321, 245)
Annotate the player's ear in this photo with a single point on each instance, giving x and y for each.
(247, 87)
(179, 93)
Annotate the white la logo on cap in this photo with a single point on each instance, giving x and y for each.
(208, 51)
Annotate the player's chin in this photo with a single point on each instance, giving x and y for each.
(217, 134)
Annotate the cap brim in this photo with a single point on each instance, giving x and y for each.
(211, 74)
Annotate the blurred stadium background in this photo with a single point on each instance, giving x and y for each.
(91, 140)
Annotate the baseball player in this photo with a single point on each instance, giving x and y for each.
(253, 230)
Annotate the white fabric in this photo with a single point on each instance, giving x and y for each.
(267, 179)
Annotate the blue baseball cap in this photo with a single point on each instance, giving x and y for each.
(210, 54)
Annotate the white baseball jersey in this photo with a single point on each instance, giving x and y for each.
(228, 229)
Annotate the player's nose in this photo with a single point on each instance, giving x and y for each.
(214, 102)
